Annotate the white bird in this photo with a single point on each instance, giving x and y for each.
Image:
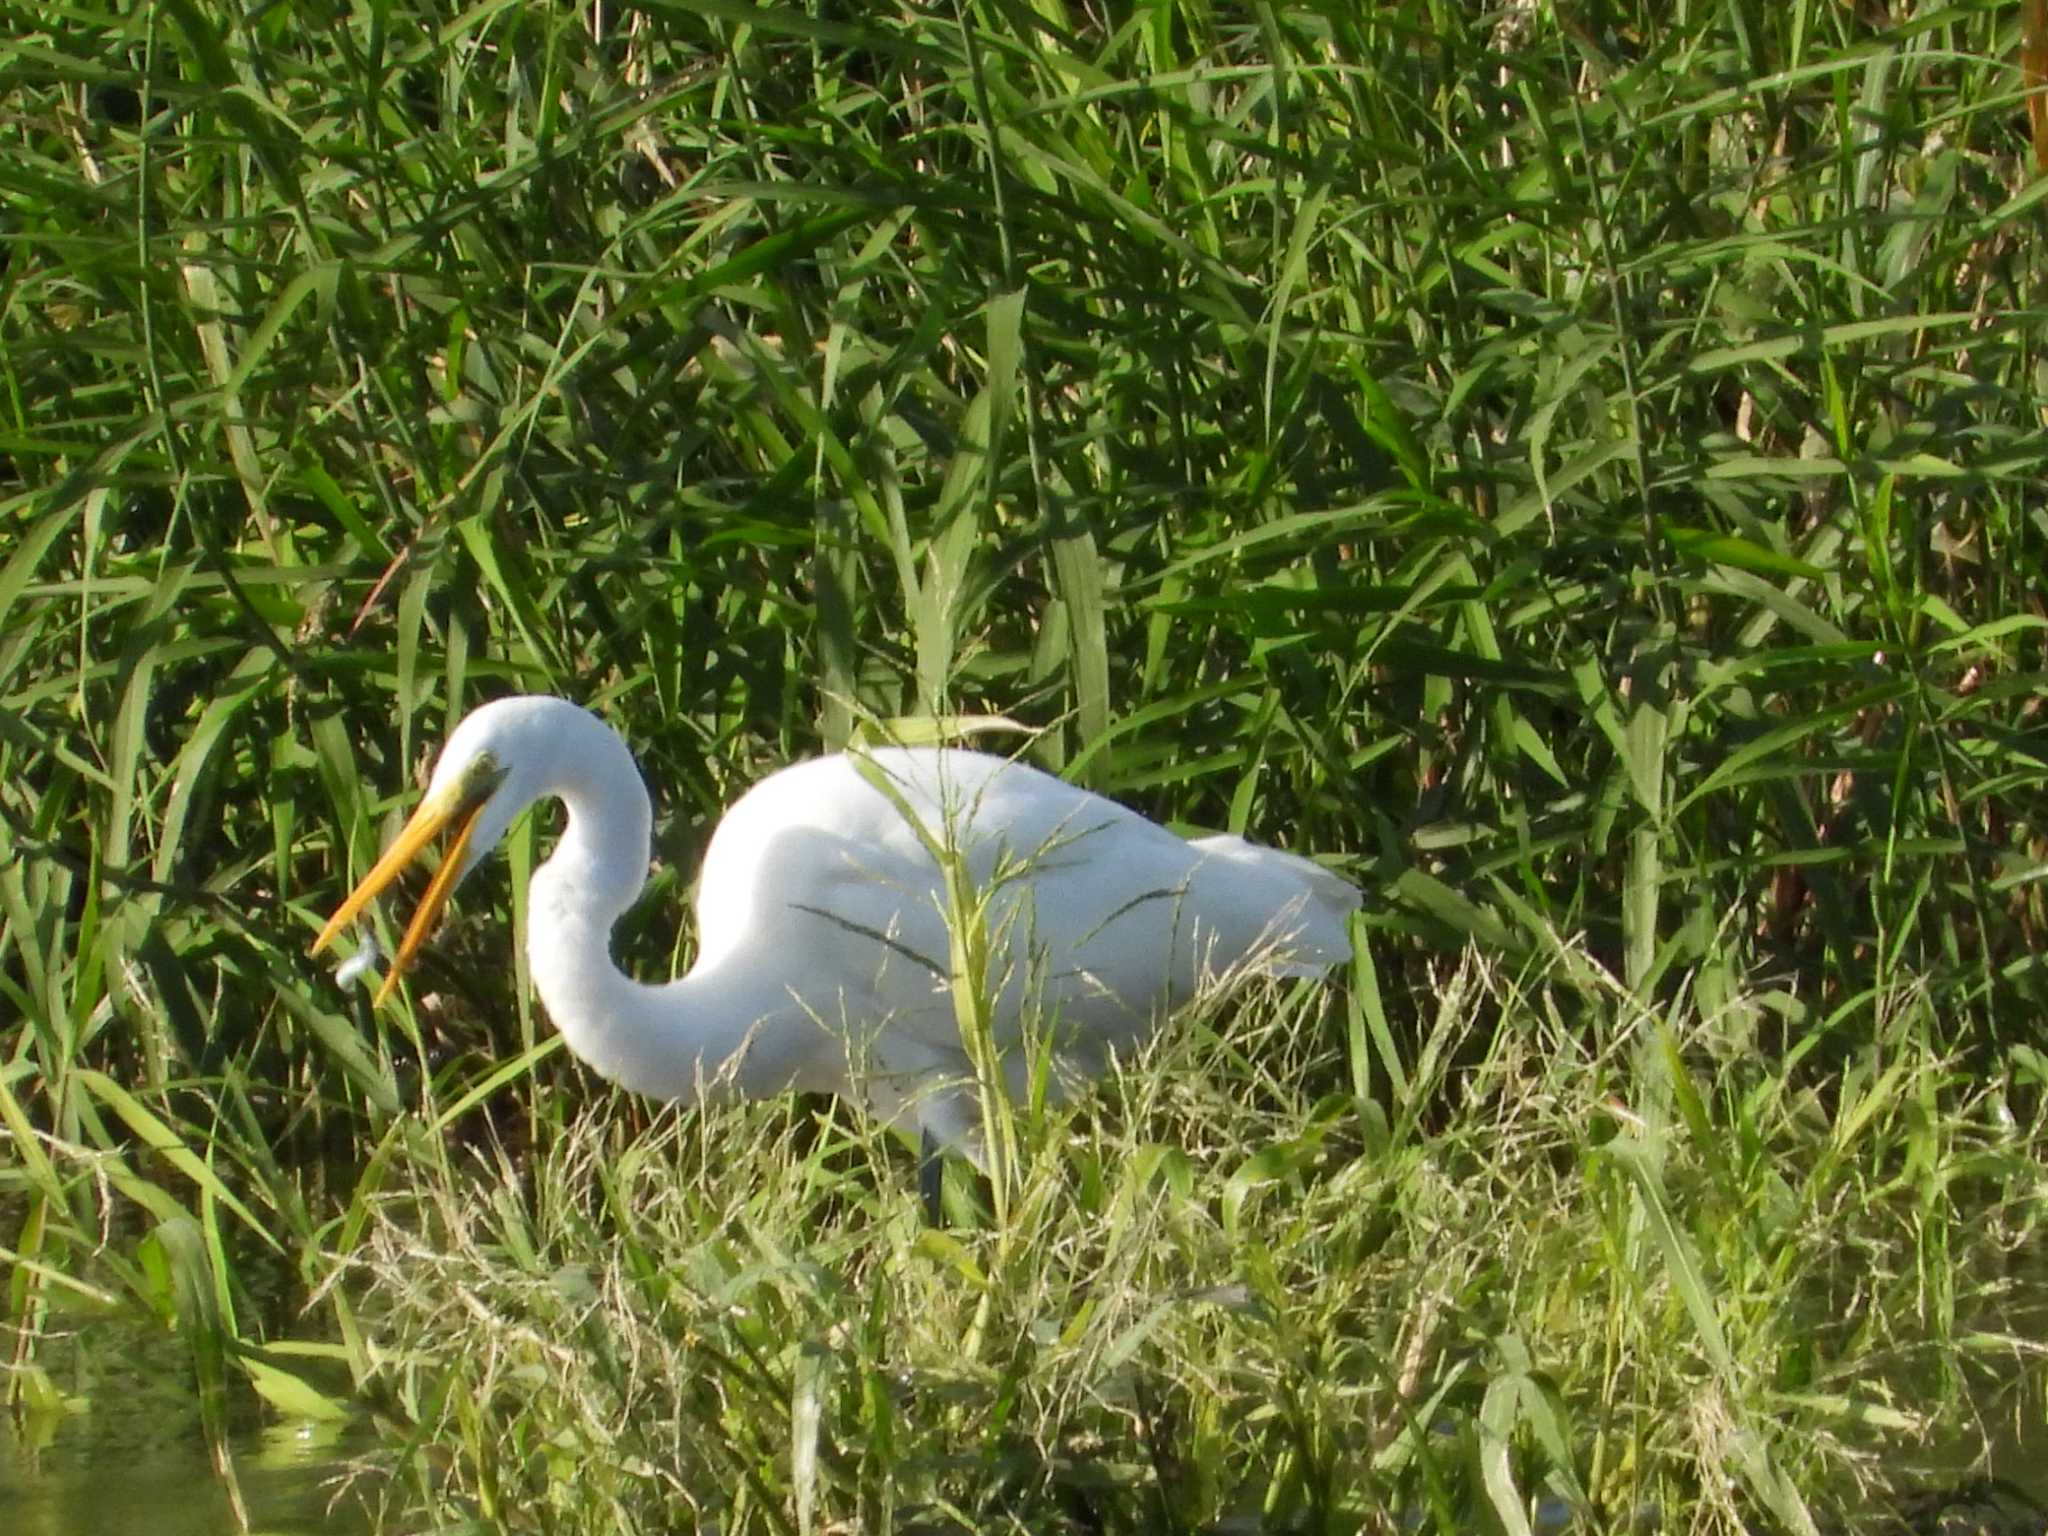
(824, 957)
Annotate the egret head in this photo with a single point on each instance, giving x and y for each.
(490, 770)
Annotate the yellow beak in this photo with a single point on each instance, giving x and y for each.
(458, 806)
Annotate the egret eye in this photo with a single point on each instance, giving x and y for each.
(484, 774)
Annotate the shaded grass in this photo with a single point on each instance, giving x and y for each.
(1584, 467)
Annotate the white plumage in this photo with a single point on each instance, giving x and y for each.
(824, 958)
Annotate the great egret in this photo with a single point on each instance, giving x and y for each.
(824, 959)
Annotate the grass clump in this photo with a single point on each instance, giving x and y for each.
(1620, 1276)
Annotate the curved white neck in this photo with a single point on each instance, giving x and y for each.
(673, 1041)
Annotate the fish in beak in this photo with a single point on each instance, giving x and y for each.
(458, 804)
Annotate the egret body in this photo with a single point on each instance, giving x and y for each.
(824, 959)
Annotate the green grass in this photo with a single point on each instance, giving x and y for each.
(1233, 1299)
(1582, 467)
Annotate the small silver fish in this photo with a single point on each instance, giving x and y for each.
(359, 962)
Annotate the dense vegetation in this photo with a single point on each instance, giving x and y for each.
(1578, 468)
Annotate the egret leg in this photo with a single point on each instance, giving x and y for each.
(931, 1178)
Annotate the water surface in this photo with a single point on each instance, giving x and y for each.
(128, 1458)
